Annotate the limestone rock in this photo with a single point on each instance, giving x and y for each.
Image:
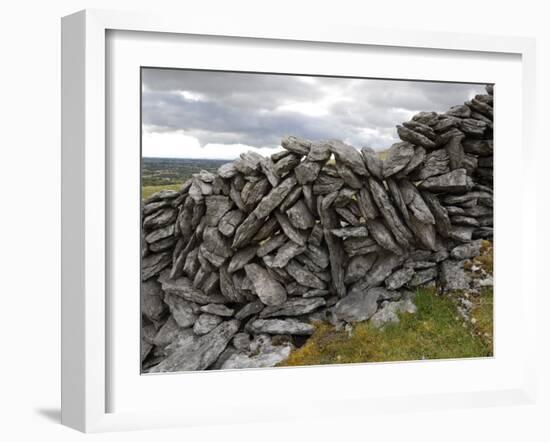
(205, 323)
(274, 198)
(217, 309)
(296, 145)
(373, 162)
(453, 276)
(267, 288)
(197, 353)
(307, 171)
(456, 181)
(264, 359)
(184, 312)
(356, 306)
(348, 156)
(389, 313)
(241, 258)
(414, 137)
(293, 307)
(286, 252)
(358, 266)
(280, 327)
(399, 278)
(466, 251)
(300, 216)
(397, 158)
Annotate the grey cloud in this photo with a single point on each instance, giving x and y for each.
(245, 108)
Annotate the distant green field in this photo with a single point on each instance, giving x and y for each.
(147, 191)
(170, 173)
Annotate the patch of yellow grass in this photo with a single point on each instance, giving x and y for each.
(435, 332)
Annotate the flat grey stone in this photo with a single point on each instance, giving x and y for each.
(153, 264)
(414, 137)
(242, 257)
(267, 358)
(250, 309)
(356, 307)
(304, 276)
(348, 156)
(423, 277)
(216, 243)
(227, 170)
(270, 291)
(280, 327)
(399, 278)
(152, 305)
(241, 341)
(274, 198)
(319, 151)
(197, 353)
(161, 233)
(358, 267)
(456, 181)
(466, 251)
(351, 232)
(382, 268)
(184, 287)
(205, 323)
(389, 314)
(286, 252)
(453, 276)
(382, 236)
(217, 309)
(398, 156)
(307, 171)
(160, 219)
(401, 233)
(286, 164)
(373, 162)
(296, 145)
(184, 312)
(300, 216)
(293, 307)
(294, 234)
(246, 231)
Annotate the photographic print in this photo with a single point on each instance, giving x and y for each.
(302, 220)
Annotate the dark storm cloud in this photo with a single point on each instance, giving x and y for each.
(258, 109)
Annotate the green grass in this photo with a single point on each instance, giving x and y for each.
(483, 316)
(435, 332)
(147, 191)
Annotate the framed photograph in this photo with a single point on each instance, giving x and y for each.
(273, 222)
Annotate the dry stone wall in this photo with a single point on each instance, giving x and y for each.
(237, 265)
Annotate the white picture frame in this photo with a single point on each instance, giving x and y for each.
(86, 314)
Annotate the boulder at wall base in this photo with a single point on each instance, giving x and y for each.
(453, 276)
(280, 327)
(356, 307)
(190, 352)
(388, 314)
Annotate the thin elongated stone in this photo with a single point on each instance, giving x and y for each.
(274, 198)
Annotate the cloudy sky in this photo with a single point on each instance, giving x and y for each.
(203, 114)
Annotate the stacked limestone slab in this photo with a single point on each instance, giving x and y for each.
(237, 265)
